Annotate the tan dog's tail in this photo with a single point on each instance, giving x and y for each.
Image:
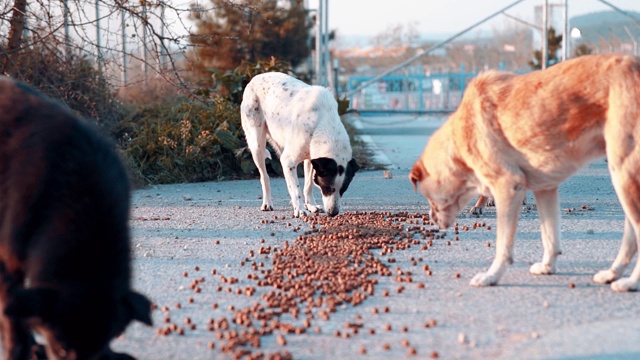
(418, 172)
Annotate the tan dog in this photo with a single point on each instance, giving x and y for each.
(516, 133)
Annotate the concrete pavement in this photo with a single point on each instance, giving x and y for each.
(216, 225)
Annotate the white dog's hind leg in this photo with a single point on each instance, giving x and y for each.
(309, 201)
(255, 133)
(549, 213)
(508, 212)
(289, 166)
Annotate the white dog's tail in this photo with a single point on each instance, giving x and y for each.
(267, 154)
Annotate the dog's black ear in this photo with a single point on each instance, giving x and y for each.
(139, 307)
(352, 167)
(325, 167)
(34, 302)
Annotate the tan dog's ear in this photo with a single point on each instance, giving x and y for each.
(418, 172)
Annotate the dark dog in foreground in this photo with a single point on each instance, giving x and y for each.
(64, 235)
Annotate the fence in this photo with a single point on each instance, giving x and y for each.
(434, 93)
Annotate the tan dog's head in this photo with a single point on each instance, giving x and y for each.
(442, 178)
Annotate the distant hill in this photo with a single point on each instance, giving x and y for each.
(607, 26)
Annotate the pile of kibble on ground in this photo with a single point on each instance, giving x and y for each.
(336, 262)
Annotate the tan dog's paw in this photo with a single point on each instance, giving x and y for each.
(483, 279)
(266, 207)
(605, 276)
(624, 285)
(542, 269)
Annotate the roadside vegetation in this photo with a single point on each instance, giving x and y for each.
(167, 133)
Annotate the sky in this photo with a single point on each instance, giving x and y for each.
(372, 17)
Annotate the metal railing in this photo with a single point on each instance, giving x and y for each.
(434, 93)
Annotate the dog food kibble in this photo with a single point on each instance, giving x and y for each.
(434, 355)
(331, 265)
(572, 285)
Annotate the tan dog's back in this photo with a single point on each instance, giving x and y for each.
(514, 133)
(562, 127)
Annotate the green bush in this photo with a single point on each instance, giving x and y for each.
(200, 138)
(186, 141)
(71, 79)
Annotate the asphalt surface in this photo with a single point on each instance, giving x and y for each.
(216, 225)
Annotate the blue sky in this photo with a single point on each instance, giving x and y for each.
(372, 17)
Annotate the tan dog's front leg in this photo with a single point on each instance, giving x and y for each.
(549, 213)
(508, 212)
(293, 185)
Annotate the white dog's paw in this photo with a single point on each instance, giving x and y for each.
(624, 285)
(266, 207)
(483, 279)
(314, 209)
(476, 210)
(605, 276)
(299, 213)
(542, 269)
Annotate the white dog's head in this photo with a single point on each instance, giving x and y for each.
(333, 179)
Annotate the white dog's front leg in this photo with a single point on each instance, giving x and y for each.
(309, 201)
(293, 185)
(508, 212)
(549, 213)
(628, 249)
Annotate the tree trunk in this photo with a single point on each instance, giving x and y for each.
(15, 34)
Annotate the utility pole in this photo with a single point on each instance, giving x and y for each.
(98, 45)
(565, 36)
(67, 37)
(545, 34)
(123, 24)
(322, 43)
(143, 48)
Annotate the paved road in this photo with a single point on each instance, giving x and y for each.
(216, 225)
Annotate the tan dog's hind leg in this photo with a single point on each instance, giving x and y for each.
(507, 211)
(309, 200)
(479, 206)
(627, 250)
(549, 213)
(627, 187)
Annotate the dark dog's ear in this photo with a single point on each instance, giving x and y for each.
(34, 302)
(139, 307)
(325, 167)
(418, 172)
